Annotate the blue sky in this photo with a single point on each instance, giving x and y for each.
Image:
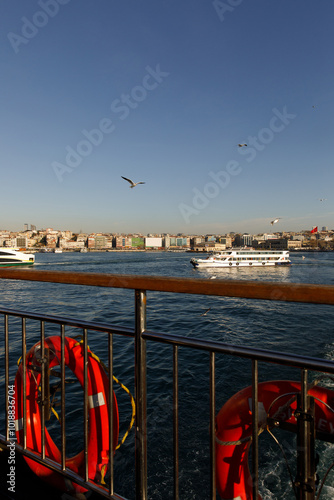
(163, 92)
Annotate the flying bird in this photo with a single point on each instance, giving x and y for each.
(322, 199)
(205, 312)
(241, 145)
(133, 184)
(274, 221)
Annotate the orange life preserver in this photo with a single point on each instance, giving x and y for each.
(234, 429)
(98, 413)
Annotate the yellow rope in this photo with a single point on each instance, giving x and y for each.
(133, 404)
(103, 473)
(55, 413)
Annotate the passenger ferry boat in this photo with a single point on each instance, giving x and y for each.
(244, 257)
(14, 257)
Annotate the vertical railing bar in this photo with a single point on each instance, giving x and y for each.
(24, 372)
(255, 423)
(111, 414)
(140, 388)
(85, 356)
(62, 420)
(304, 433)
(176, 420)
(6, 372)
(43, 368)
(213, 425)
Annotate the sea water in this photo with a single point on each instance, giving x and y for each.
(290, 328)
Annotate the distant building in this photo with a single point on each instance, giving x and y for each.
(137, 242)
(294, 244)
(247, 240)
(21, 242)
(100, 241)
(153, 243)
(91, 242)
(274, 244)
(226, 240)
(209, 246)
(122, 242)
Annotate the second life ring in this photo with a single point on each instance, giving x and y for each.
(234, 429)
(98, 413)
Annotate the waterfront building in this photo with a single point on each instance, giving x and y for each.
(153, 243)
(294, 244)
(100, 242)
(137, 242)
(246, 240)
(122, 242)
(21, 242)
(273, 243)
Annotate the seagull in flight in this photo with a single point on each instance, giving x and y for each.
(133, 184)
(206, 312)
(241, 145)
(274, 221)
(322, 199)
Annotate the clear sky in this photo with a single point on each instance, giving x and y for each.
(163, 91)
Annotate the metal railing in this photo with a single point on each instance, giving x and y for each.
(315, 294)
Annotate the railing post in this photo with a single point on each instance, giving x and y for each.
(62, 418)
(305, 481)
(140, 390)
(24, 373)
(176, 420)
(6, 372)
(213, 424)
(255, 423)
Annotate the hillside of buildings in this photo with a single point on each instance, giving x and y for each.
(50, 239)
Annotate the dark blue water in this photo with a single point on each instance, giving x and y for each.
(296, 328)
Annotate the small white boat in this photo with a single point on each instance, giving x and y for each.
(14, 257)
(244, 257)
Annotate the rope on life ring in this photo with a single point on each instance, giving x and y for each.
(277, 399)
(133, 404)
(98, 413)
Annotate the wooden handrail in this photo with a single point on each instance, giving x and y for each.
(288, 292)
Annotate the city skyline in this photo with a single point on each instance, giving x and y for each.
(273, 231)
(223, 109)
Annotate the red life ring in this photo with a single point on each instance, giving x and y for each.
(234, 430)
(98, 413)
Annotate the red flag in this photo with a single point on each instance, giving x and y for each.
(315, 229)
